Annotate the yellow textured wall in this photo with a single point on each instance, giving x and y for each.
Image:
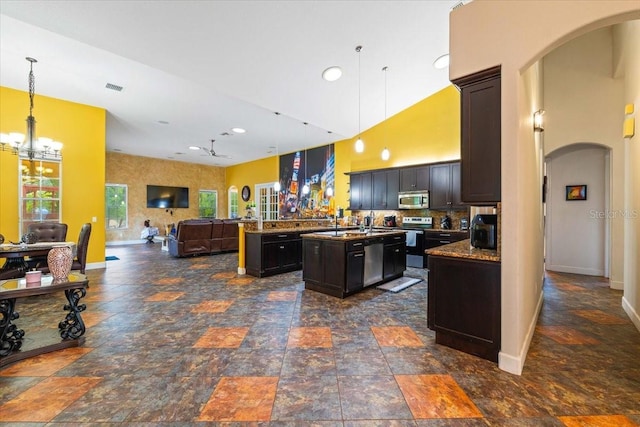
(136, 172)
(426, 132)
(251, 173)
(81, 128)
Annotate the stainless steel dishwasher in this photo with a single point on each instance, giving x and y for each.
(373, 256)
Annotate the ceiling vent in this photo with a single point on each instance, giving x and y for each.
(114, 87)
(460, 4)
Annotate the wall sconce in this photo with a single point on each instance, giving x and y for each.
(538, 123)
(628, 128)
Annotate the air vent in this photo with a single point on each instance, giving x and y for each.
(114, 87)
(225, 134)
(460, 4)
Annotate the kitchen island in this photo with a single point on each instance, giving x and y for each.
(341, 263)
(464, 298)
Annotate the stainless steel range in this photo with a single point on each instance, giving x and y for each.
(414, 225)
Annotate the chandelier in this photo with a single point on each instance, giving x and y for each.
(28, 145)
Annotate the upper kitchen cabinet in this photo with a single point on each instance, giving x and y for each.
(480, 136)
(360, 191)
(444, 192)
(414, 178)
(385, 184)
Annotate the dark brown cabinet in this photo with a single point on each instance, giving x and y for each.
(414, 178)
(360, 191)
(433, 239)
(274, 253)
(385, 184)
(444, 192)
(480, 136)
(394, 257)
(464, 304)
(337, 267)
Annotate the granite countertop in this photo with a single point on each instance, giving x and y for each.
(345, 235)
(276, 230)
(463, 249)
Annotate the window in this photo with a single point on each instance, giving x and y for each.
(267, 201)
(208, 203)
(40, 187)
(233, 202)
(116, 205)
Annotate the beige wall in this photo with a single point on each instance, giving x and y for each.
(628, 34)
(136, 172)
(516, 34)
(583, 105)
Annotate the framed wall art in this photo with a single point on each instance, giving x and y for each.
(576, 192)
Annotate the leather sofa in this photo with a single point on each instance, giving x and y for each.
(204, 237)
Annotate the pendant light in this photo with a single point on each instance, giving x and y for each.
(276, 185)
(359, 143)
(385, 153)
(305, 187)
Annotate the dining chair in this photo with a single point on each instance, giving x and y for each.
(45, 232)
(80, 261)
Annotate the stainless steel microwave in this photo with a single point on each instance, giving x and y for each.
(413, 200)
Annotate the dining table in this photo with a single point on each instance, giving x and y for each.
(15, 254)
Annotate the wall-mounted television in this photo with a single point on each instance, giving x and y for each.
(162, 196)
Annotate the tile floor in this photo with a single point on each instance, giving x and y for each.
(183, 342)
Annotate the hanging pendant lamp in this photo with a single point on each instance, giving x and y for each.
(305, 187)
(276, 185)
(359, 143)
(385, 153)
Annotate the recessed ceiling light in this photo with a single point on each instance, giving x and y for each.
(441, 61)
(193, 147)
(238, 130)
(332, 74)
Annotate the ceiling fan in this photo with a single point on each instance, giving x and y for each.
(211, 152)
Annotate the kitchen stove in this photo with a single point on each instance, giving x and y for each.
(414, 225)
(417, 222)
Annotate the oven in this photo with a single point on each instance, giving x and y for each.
(414, 227)
(415, 248)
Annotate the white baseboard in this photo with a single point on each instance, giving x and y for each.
(515, 364)
(575, 270)
(95, 265)
(617, 285)
(633, 315)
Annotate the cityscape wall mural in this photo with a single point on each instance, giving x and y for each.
(314, 168)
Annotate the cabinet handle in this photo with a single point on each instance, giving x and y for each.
(282, 236)
(358, 255)
(357, 244)
(397, 250)
(397, 238)
(445, 234)
(281, 247)
(445, 241)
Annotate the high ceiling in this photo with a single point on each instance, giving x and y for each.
(193, 70)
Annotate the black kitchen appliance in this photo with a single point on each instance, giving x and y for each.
(484, 231)
(445, 223)
(415, 226)
(390, 221)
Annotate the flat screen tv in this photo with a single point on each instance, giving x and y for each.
(162, 196)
